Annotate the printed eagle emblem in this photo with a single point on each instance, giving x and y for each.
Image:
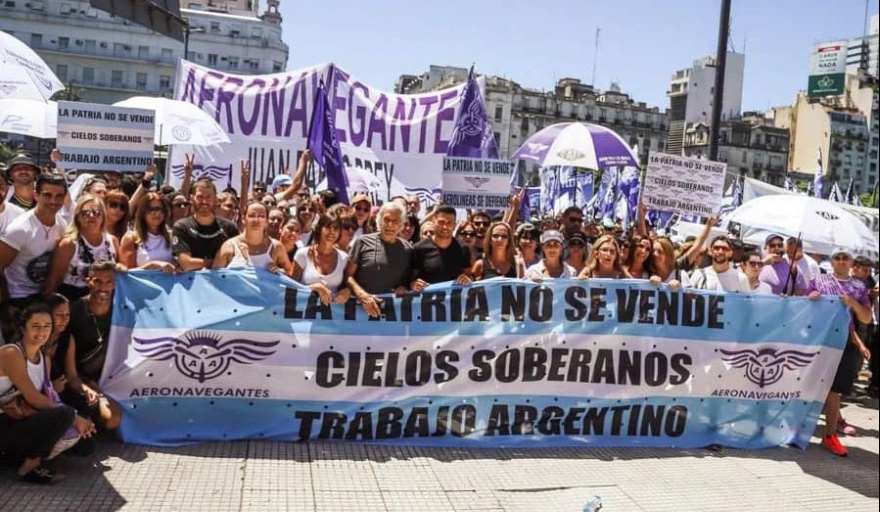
(536, 147)
(766, 366)
(203, 356)
(476, 181)
(570, 154)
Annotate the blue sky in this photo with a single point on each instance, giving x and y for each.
(534, 42)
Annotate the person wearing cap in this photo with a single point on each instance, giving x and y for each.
(854, 295)
(362, 206)
(720, 276)
(8, 211)
(258, 190)
(861, 270)
(528, 250)
(21, 171)
(778, 272)
(441, 258)
(551, 266)
(576, 251)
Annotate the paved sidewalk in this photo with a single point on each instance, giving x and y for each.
(269, 476)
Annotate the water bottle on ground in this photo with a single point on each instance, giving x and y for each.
(593, 504)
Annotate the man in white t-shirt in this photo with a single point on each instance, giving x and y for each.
(26, 246)
(720, 276)
(8, 211)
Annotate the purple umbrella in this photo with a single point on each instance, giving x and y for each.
(579, 145)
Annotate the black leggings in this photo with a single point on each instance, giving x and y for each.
(36, 435)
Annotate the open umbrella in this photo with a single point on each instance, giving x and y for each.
(23, 74)
(579, 145)
(821, 224)
(33, 118)
(179, 122)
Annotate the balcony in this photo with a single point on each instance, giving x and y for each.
(106, 53)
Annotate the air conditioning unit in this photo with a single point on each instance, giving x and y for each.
(103, 45)
(126, 48)
(79, 42)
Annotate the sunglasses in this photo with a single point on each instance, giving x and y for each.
(115, 205)
(428, 232)
(182, 204)
(579, 245)
(480, 223)
(841, 257)
(155, 209)
(576, 220)
(608, 250)
(468, 234)
(91, 212)
(259, 189)
(307, 209)
(362, 209)
(349, 227)
(777, 245)
(755, 264)
(500, 236)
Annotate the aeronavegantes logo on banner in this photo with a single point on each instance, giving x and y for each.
(203, 355)
(764, 367)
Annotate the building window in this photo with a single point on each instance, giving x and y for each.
(141, 80)
(37, 40)
(233, 62)
(499, 113)
(254, 64)
(215, 26)
(164, 82)
(277, 67)
(63, 43)
(90, 46)
(88, 75)
(116, 78)
(167, 56)
(212, 59)
(61, 72)
(143, 52)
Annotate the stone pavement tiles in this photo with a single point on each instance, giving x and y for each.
(274, 476)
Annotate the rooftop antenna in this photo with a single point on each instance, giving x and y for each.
(595, 56)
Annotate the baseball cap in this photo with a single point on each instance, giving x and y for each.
(772, 236)
(551, 235)
(607, 223)
(358, 198)
(577, 235)
(863, 261)
(282, 180)
(841, 250)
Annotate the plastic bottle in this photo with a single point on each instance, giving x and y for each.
(593, 504)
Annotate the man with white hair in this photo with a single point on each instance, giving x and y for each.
(380, 262)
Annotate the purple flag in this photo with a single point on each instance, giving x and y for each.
(325, 146)
(472, 135)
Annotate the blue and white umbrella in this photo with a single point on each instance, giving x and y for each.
(585, 145)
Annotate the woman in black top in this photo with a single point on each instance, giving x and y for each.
(498, 256)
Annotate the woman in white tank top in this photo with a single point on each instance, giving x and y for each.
(148, 245)
(253, 248)
(321, 266)
(33, 437)
(85, 243)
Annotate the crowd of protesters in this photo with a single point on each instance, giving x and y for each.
(60, 251)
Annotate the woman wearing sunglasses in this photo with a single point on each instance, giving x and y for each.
(180, 207)
(347, 225)
(752, 265)
(361, 207)
(305, 214)
(604, 261)
(577, 251)
(86, 242)
(499, 259)
(148, 245)
(117, 213)
(467, 234)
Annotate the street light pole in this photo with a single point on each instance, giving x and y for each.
(720, 65)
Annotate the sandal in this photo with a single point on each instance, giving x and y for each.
(41, 475)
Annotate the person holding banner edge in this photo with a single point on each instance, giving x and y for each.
(854, 295)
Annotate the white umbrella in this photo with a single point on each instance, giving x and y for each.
(33, 118)
(179, 122)
(23, 74)
(579, 145)
(821, 224)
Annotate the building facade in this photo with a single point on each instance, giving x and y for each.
(106, 59)
(691, 93)
(751, 146)
(517, 112)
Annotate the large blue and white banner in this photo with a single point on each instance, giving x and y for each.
(226, 355)
(392, 144)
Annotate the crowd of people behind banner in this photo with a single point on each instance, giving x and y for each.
(60, 252)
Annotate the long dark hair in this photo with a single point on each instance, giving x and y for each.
(324, 220)
(140, 217)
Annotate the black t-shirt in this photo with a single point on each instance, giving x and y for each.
(435, 265)
(188, 236)
(91, 334)
(381, 267)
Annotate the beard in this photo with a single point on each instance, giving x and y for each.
(719, 260)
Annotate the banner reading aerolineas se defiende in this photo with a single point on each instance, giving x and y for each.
(392, 144)
(504, 362)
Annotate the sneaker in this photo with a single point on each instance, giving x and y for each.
(833, 444)
(41, 475)
(845, 428)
